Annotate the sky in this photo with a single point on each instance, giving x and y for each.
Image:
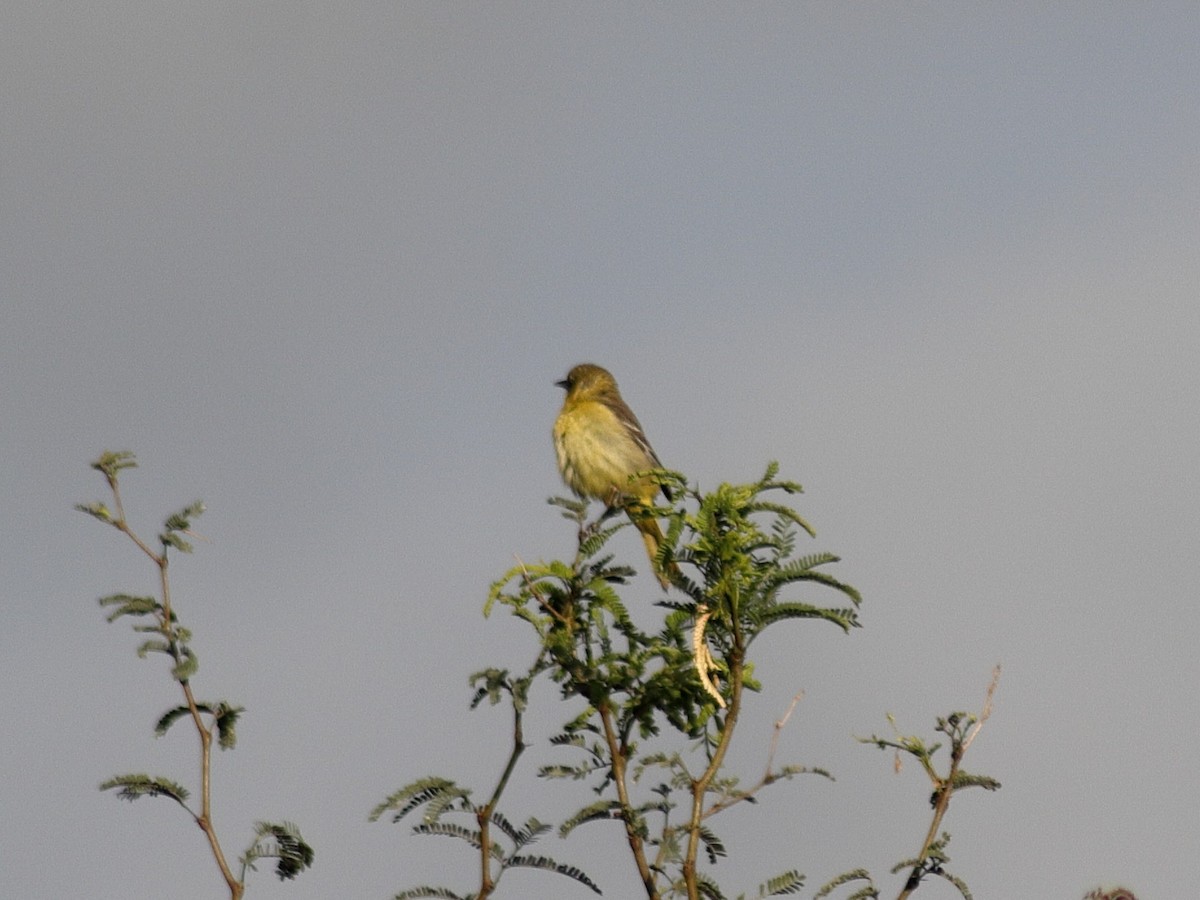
(320, 266)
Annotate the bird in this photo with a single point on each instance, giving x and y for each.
(600, 445)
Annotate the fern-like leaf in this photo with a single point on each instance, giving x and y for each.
(595, 540)
(282, 842)
(154, 645)
(134, 787)
(449, 829)
(575, 773)
(97, 510)
(791, 770)
(600, 810)
(957, 882)
(530, 833)
(713, 845)
(439, 893)
(790, 882)
(226, 718)
(491, 684)
(113, 461)
(782, 512)
(177, 523)
(568, 739)
(501, 821)
(418, 793)
(548, 865)
(845, 619)
(846, 878)
(183, 670)
(965, 779)
(708, 888)
(127, 605)
(169, 718)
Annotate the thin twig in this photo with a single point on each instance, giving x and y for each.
(779, 723)
(769, 775)
(533, 589)
(986, 712)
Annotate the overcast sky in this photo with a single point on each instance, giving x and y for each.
(320, 264)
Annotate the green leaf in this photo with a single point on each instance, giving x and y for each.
(155, 645)
(449, 829)
(182, 520)
(133, 787)
(847, 878)
(282, 842)
(790, 882)
(708, 887)
(113, 461)
(600, 810)
(580, 772)
(187, 665)
(226, 718)
(845, 619)
(97, 511)
(965, 780)
(419, 793)
(490, 683)
(128, 605)
(501, 822)
(549, 865)
(439, 893)
(169, 718)
(171, 539)
(530, 833)
(712, 845)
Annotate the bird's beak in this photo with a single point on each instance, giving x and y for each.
(564, 384)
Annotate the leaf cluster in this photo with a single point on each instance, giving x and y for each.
(282, 842)
(447, 810)
(731, 555)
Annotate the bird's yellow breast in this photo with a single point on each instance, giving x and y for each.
(596, 454)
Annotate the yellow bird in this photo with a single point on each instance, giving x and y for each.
(600, 445)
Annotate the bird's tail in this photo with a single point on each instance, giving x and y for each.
(653, 537)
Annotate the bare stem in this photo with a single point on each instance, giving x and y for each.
(484, 815)
(769, 775)
(619, 755)
(945, 789)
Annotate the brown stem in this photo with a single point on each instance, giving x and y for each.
(700, 785)
(484, 815)
(944, 790)
(204, 819)
(618, 754)
(945, 787)
(769, 775)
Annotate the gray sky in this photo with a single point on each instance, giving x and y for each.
(320, 265)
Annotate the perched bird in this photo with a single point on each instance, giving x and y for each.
(600, 445)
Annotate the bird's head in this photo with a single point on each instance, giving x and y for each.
(586, 379)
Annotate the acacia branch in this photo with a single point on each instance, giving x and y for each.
(619, 753)
(167, 629)
(769, 775)
(484, 814)
(944, 787)
(700, 785)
